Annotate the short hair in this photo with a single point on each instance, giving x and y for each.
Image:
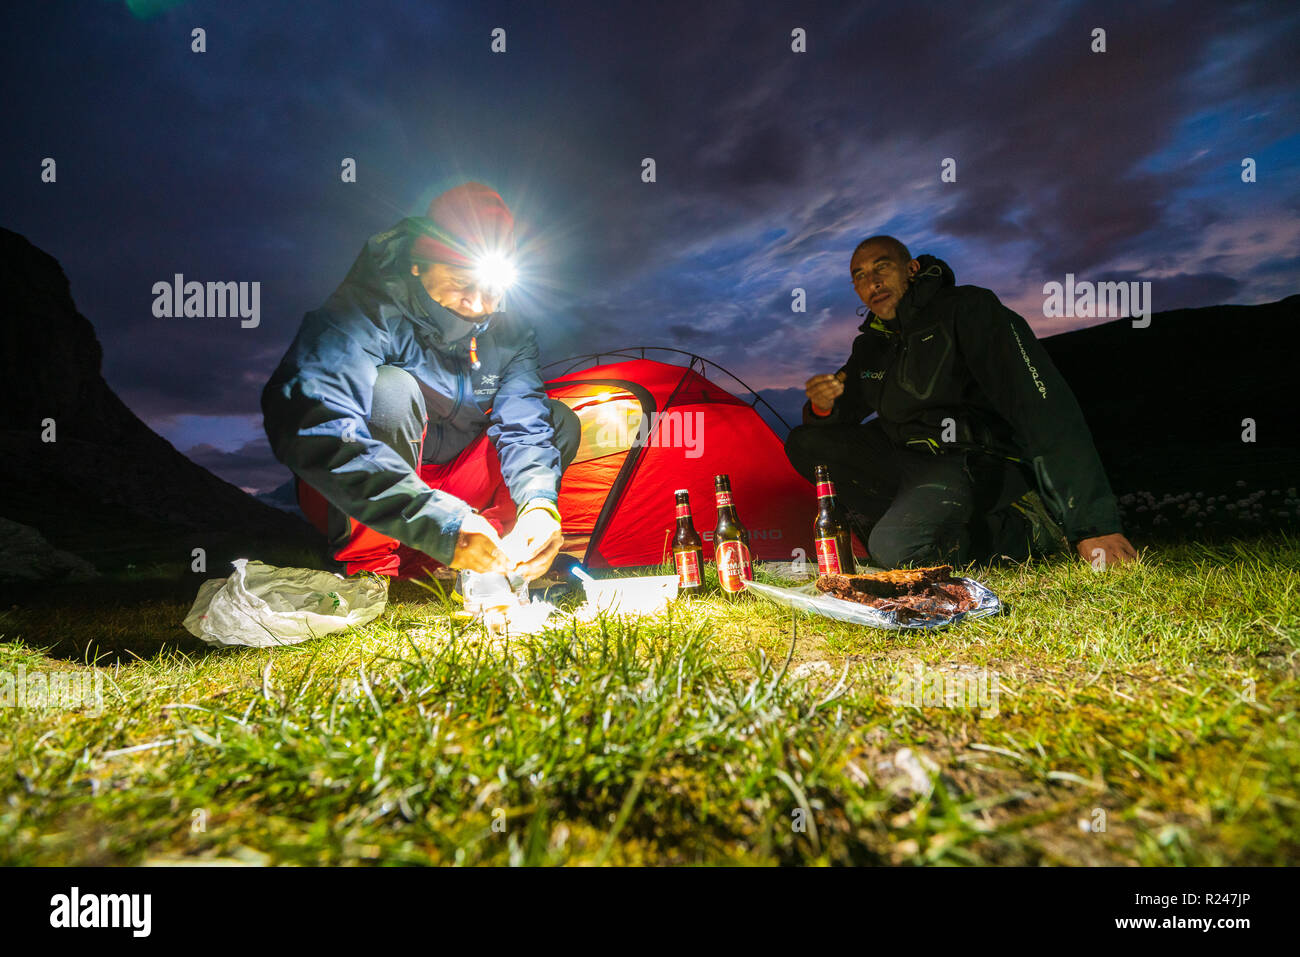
(896, 248)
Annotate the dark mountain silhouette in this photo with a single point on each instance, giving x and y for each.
(1166, 403)
(283, 497)
(109, 488)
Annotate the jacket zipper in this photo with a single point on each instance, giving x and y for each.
(460, 394)
(891, 376)
(928, 444)
(437, 445)
(900, 349)
(460, 388)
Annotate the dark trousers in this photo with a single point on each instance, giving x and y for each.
(917, 508)
(399, 413)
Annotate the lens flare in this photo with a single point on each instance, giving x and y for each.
(495, 272)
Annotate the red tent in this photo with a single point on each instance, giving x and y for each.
(649, 428)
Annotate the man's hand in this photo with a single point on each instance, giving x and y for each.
(478, 548)
(533, 543)
(823, 390)
(1106, 550)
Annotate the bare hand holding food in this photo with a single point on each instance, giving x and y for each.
(478, 548)
(823, 390)
(533, 543)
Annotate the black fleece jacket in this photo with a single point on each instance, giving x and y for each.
(956, 370)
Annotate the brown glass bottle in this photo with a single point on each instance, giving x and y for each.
(831, 534)
(688, 550)
(730, 541)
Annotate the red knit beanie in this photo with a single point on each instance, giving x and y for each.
(466, 222)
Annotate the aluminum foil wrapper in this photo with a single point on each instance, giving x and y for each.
(808, 598)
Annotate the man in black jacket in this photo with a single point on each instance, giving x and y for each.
(971, 418)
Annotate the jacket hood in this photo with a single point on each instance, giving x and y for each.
(934, 275)
(382, 273)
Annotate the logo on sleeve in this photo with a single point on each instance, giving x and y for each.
(1042, 389)
(873, 373)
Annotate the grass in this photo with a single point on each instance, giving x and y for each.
(1145, 715)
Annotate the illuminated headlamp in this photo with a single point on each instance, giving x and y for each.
(495, 272)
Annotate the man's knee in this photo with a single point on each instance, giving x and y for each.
(892, 545)
(803, 447)
(897, 544)
(397, 412)
(568, 431)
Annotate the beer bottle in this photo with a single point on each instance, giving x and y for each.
(688, 550)
(833, 537)
(730, 541)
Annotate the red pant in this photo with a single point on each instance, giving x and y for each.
(473, 476)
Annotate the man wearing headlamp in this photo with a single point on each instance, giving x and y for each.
(411, 409)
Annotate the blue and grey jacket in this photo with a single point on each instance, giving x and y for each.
(316, 405)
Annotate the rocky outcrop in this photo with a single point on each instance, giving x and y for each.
(27, 557)
(108, 484)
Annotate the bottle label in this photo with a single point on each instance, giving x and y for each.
(824, 489)
(688, 567)
(828, 559)
(683, 510)
(734, 566)
(724, 499)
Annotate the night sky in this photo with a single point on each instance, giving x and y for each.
(771, 166)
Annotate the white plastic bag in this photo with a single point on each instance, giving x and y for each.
(262, 606)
